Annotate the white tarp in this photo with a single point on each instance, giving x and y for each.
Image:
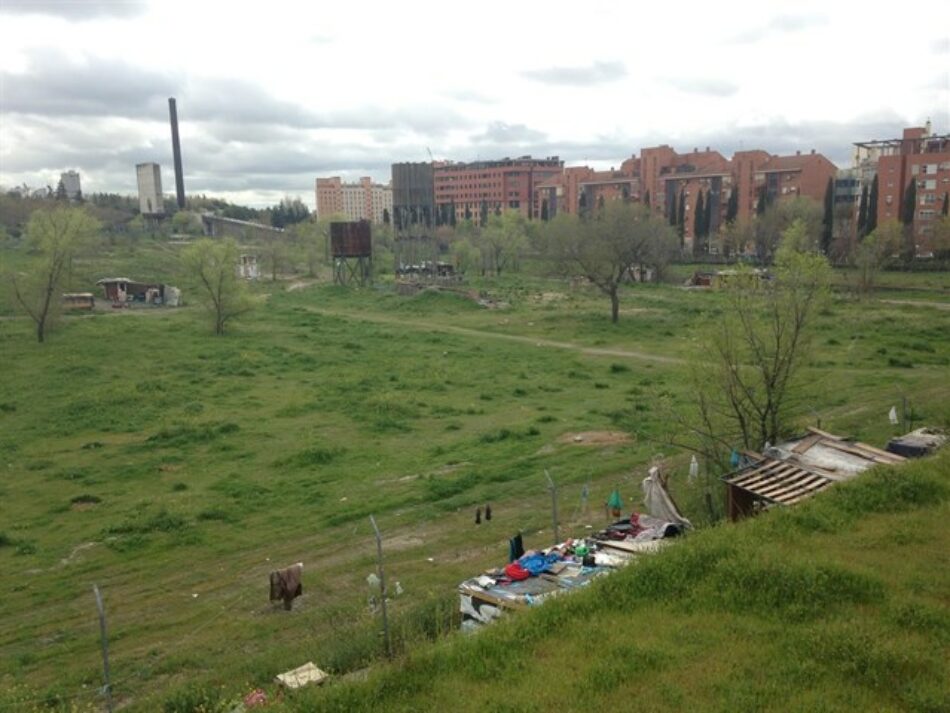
(658, 501)
(303, 676)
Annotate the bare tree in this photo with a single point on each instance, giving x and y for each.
(605, 246)
(55, 236)
(746, 393)
(872, 252)
(213, 266)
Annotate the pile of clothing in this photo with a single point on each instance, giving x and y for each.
(641, 528)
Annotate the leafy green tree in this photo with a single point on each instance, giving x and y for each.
(646, 199)
(828, 220)
(769, 227)
(671, 216)
(55, 236)
(872, 252)
(945, 210)
(870, 225)
(604, 248)
(61, 194)
(707, 218)
(544, 210)
(503, 241)
(186, 222)
(763, 201)
(288, 212)
(212, 267)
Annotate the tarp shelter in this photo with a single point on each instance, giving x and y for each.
(795, 470)
(123, 290)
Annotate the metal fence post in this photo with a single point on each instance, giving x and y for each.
(382, 584)
(107, 688)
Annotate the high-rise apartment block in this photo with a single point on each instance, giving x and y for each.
(149, 179)
(356, 201)
(70, 180)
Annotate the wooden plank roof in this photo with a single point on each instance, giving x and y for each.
(779, 481)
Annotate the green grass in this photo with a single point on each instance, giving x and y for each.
(142, 454)
(837, 605)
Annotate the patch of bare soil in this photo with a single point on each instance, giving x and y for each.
(594, 438)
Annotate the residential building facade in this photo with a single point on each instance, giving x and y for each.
(921, 158)
(478, 189)
(364, 200)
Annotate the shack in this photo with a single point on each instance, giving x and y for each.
(78, 301)
(798, 469)
(247, 267)
(123, 291)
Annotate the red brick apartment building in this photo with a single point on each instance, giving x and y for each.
(660, 174)
(471, 189)
(920, 157)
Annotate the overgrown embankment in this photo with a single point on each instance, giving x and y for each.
(840, 604)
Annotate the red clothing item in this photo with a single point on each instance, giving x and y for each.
(516, 572)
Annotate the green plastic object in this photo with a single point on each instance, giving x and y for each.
(614, 501)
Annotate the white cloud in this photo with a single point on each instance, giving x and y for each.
(269, 96)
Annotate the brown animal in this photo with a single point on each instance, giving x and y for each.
(286, 584)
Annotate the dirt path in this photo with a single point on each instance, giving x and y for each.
(919, 303)
(486, 334)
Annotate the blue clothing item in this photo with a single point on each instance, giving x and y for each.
(735, 459)
(537, 563)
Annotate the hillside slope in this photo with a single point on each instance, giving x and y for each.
(841, 604)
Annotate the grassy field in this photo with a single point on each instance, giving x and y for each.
(175, 469)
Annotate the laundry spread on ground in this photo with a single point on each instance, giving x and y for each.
(532, 576)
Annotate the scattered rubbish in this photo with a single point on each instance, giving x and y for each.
(302, 676)
(693, 469)
(430, 559)
(194, 595)
(531, 577)
(255, 698)
(892, 415)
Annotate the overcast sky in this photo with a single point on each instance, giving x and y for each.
(273, 94)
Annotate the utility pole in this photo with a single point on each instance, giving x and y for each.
(382, 584)
(553, 488)
(107, 688)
